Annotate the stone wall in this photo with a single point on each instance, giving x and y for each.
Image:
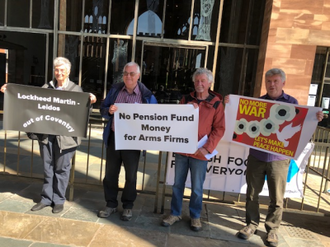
(295, 28)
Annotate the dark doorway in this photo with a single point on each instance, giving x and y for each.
(167, 70)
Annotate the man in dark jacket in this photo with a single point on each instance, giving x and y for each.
(129, 91)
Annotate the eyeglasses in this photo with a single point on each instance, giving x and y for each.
(129, 73)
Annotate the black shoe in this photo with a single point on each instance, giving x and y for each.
(38, 206)
(57, 208)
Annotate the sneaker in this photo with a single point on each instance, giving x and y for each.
(246, 232)
(272, 239)
(106, 212)
(195, 224)
(170, 220)
(38, 206)
(127, 215)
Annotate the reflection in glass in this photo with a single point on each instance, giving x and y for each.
(204, 27)
(26, 64)
(42, 8)
(242, 21)
(247, 83)
(319, 61)
(177, 18)
(167, 71)
(71, 53)
(18, 16)
(235, 72)
(2, 12)
(73, 15)
(95, 20)
(121, 16)
(93, 66)
(119, 60)
(228, 70)
(256, 16)
(149, 21)
(149, 25)
(327, 70)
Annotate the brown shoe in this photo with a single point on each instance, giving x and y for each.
(170, 220)
(246, 232)
(272, 239)
(196, 225)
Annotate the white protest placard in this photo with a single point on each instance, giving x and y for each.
(163, 127)
(226, 170)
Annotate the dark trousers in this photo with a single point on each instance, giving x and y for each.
(57, 167)
(276, 172)
(130, 159)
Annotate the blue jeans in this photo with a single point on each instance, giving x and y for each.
(197, 171)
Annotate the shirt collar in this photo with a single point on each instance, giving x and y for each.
(136, 90)
(283, 95)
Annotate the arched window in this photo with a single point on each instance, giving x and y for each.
(149, 24)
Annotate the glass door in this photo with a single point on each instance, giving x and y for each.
(167, 70)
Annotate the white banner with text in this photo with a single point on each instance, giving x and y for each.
(226, 170)
(156, 127)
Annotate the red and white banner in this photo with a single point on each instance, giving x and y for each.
(270, 126)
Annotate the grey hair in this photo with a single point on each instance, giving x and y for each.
(204, 71)
(132, 64)
(62, 61)
(276, 71)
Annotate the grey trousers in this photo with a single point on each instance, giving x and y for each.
(57, 167)
(256, 172)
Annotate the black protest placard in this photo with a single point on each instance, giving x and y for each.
(45, 111)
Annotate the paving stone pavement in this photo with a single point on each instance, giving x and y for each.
(78, 224)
